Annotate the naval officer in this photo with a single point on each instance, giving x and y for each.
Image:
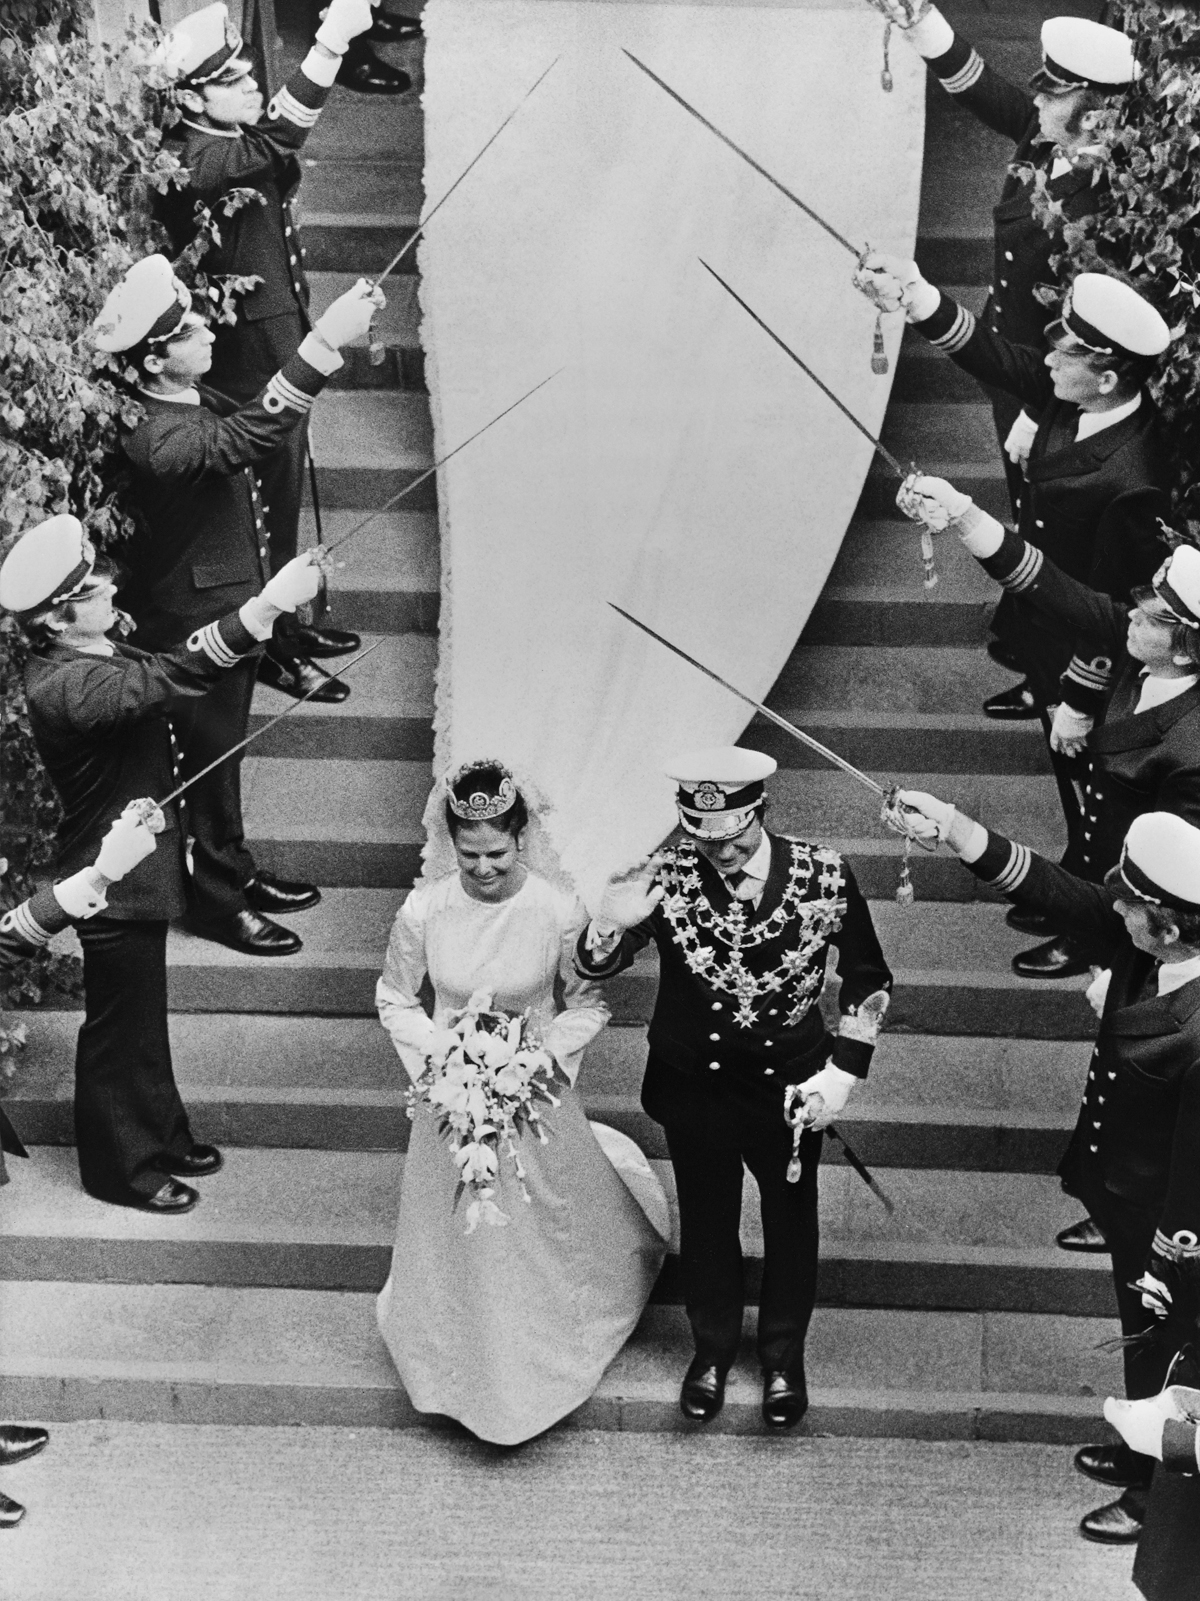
(96, 711)
(200, 549)
(742, 1069)
(227, 142)
(1134, 1157)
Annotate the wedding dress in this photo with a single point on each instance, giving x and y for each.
(510, 1328)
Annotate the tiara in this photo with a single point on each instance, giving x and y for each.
(479, 806)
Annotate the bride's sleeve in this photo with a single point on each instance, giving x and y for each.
(396, 993)
(584, 1011)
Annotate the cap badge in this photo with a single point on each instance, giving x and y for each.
(708, 797)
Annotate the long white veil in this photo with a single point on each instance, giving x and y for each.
(437, 854)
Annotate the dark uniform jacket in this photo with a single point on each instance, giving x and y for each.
(1138, 761)
(100, 728)
(200, 549)
(1138, 1132)
(262, 237)
(1023, 247)
(1092, 505)
(23, 932)
(738, 986)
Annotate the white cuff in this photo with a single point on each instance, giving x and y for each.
(601, 938)
(980, 532)
(257, 616)
(82, 895)
(322, 70)
(319, 354)
(932, 36)
(923, 300)
(976, 844)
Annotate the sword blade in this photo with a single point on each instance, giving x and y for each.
(441, 462)
(266, 727)
(862, 1170)
(804, 367)
(774, 717)
(750, 161)
(424, 222)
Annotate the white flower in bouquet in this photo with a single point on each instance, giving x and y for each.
(484, 1077)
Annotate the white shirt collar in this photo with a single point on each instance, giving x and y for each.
(1174, 975)
(217, 133)
(1157, 691)
(184, 397)
(1091, 422)
(759, 865)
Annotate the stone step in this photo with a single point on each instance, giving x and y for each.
(397, 326)
(356, 128)
(335, 1084)
(357, 822)
(889, 678)
(210, 1354)
(388, 574)
(296, 1219)
(367, 446)
(982, 479)
(385, 183)
(963, 432)
(885, 554)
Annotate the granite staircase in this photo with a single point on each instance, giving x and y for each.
(956, 1317)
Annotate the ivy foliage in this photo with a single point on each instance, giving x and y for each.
(1146, 156)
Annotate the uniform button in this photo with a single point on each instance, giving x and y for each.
(774, 1012)
(991, 289)
(288, 231)
(1099, 795)
(1008, 257)
(1095, 1125)
(1112, 1075)
(1093, 1147)
(768, 1042)
(1004, 283)
(716, 1006)
(1100, 1100)
(714, 1036)
(769, 1071)
(262, 550)
(1038, 523)
(1087, 858)
(714, 1066)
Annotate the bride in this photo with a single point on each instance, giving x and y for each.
(508, 1328)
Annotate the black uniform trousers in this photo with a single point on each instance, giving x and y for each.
(710, 1134)
(128, 1114)
(1167, 1565)
(204, 729)
(1129, 1229)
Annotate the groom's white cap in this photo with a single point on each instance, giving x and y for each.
(718, 789)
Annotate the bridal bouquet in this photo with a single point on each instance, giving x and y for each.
(484, 1077)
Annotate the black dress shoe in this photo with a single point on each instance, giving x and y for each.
(1027, 921)
(1114, 1464)
(1015, 705)
(266, 893)
(326, 641)
(171, 1200)
(19, 1441)
(785, 1400)
(247, 931)
(703, 1392)
(1114, 1524)
(1061, 957)
(363, 71)
(1085, 1236)
(388, 28)
(1003, 656)
(199, 1162)
(298, 677)
(11, 1512)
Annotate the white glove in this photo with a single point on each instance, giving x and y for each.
(130, 839)
(349, 316)
(1140, 1423)
(825, 1094)
(1020, 439)
(891, 282)
(1097, 991)
(1156, 1297)
(903, 13)
(630, 897)
(296, 581)
(81, 895)
(932, 501)
(344, 20)
(1069, 730)
(924, 816)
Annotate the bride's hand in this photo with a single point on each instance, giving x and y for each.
(630, 897)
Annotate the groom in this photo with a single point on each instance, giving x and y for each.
(743, 921)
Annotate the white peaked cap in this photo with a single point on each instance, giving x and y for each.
(50, 562)
(1160, 860)
(718, 788)
(1125, 320)
(200, 46)
(729, 767)
(1177, 582)
(1087, 53)
(149, 295)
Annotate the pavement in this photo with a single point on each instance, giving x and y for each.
(138, 1512)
